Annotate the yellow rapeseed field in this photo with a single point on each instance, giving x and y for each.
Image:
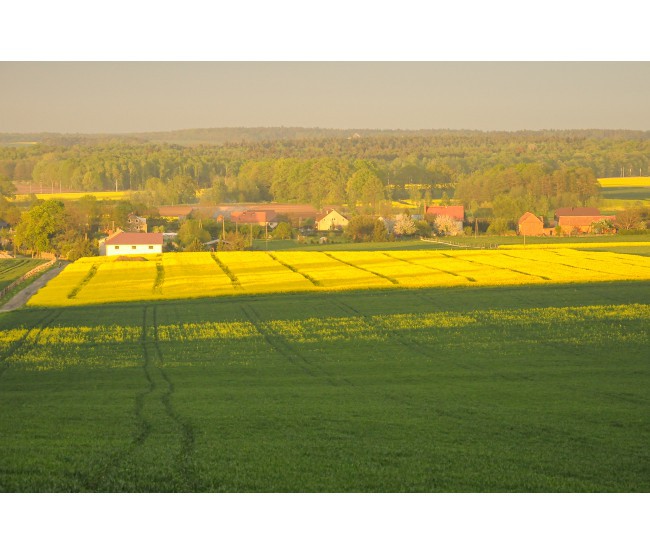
(101, 280)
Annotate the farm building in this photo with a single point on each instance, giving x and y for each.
(529, 224)
(175, 212)
(331, 219)
(259, 217)
(457, 212)
(582, 224)
(133, 243)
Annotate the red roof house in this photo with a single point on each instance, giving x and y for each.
(581, 224)
(457, 212)
(259, 217)
(532, 225)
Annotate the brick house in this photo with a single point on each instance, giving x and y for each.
(532, 225)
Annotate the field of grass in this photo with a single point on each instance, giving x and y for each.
(13, 268)
(465, 389)
(168, 276)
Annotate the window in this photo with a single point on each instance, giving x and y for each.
(150, 247)
(117, 247)
(133, 247)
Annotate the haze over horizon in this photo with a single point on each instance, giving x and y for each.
(132, 97)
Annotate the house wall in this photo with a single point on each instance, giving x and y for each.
(332, 220)
(532, 226)
(112, 250)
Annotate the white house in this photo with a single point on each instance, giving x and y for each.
(123, 243)
(331, 220)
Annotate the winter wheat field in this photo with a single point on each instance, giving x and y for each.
(514, 370)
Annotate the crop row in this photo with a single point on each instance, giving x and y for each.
(189, 275)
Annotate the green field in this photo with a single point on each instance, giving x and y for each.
(13, 268)
(529, 388)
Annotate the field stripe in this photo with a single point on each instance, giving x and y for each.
(233, 278)
(91, 273)
(428, 266)
(295, 270)
(392, 280)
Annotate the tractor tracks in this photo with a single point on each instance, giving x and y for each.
(29, 339)
(156, 396)
(290, 354)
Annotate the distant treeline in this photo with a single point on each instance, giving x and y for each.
(317, 165)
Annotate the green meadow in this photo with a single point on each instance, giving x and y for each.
(504, 389)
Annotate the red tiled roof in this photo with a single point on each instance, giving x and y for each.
(457, 211)
(579, 211)
(582, 220)
(527, 216)
(253, 216)
(175, 211)
(135, 239)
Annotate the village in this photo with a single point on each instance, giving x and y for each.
(308, 225)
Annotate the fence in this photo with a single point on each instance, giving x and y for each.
(27, 275)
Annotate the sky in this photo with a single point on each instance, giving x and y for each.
(120, 97)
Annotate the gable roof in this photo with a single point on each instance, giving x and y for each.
(530, 216)
(123, 238)
(577, 211)
(175, 211)
(332, 212)
(456, 211)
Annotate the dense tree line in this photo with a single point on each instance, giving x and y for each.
(398, 157)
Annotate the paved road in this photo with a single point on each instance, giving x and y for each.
(20, 298)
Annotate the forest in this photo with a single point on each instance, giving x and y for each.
(497, 176)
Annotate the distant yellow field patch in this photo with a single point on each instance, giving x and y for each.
(100, 280)
(99, 195)
(624, 181)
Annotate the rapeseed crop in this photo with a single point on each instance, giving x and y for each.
(186, 275)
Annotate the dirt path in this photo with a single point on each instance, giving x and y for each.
(20, 298)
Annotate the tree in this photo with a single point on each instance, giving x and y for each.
(361, 228)
(366, 187)
(379, 232)
(445, 225)
(630, 220)
(191, 233)
(404, 225)
(40, 225)
(7, 188)
(283, 231)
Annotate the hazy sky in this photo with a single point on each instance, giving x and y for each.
(113, 97)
